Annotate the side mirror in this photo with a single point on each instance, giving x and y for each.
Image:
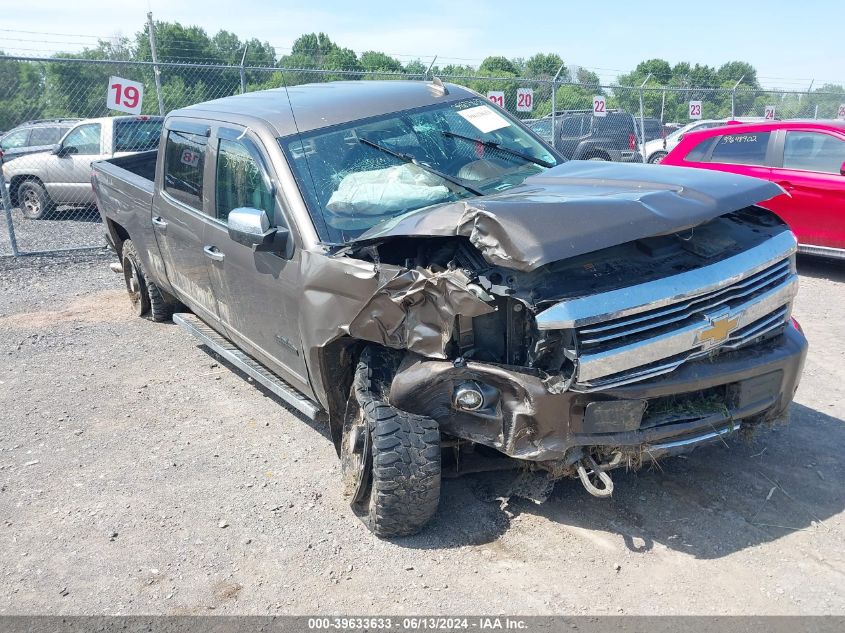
(55, 149)
(842, 170)
(251, 227)
(65, 150)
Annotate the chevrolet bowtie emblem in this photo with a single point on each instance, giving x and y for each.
(718, 331)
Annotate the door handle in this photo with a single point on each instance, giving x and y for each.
(212, 253)
(159, 223)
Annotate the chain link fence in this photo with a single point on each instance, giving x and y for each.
(50, 207)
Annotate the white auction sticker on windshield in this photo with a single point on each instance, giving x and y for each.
(484, 118)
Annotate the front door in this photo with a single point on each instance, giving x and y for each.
(68, 176)
(258, 293)
(181, 215)
(810, 173)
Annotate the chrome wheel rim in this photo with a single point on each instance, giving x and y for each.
(133, 283)
(355, 458)
(31, 202)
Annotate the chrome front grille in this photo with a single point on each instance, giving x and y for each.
(635, 333)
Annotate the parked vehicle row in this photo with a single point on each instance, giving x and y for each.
(40, 182)
(411, 265)
(805, 158)
(34, 136)
(657, 148)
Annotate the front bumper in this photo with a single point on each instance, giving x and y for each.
(524, 418)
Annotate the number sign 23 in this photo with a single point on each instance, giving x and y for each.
(125, 95)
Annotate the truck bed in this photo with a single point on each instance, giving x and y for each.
(123, 188)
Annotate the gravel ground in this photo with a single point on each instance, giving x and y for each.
(139, 476)
(67, 227)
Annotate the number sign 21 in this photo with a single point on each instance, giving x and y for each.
(125, 95)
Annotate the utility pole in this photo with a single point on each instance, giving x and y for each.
(156, 72)
(642, 118)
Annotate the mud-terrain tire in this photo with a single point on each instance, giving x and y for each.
(403, 464)
(145, 295)
(34, 201)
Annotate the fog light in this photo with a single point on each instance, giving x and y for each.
(468, 397)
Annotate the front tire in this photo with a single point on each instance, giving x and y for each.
(34, 201)
(145, 296)
(657, 158)
(390, 461)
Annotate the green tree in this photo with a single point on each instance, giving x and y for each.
(375, 61)
(732, 72)
(498, 66)
(658, 68)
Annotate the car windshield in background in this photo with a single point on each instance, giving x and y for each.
(357, 175)
(137, 135)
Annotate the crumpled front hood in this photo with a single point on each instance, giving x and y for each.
(580, 207)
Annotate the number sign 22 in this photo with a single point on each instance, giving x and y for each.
(125, 95)
(599, 106)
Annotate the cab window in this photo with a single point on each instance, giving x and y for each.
(184, 160)
(813, 151)
(46, 136)
(84, 140)
(240, 182)
(741, 149)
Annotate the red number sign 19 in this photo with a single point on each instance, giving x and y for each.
(524, 99)
(497, 97)
(125, 95)
(769, 113)
(599, 106)
(695, 109)
(840, 113)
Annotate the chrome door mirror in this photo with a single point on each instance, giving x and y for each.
(251, 227)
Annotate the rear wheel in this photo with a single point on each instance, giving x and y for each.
(657, 157)
(34, 200)
(390, 460)
(145, 296)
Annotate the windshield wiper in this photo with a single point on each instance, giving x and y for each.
(407, 158)
(500, 147)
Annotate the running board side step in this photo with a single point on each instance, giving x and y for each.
(251, 367)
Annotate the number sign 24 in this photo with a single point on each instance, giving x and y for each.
(125, 95)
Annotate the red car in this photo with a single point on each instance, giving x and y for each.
(806, 158)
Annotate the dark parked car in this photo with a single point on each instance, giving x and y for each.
(34, 136)
(407, 264)
(584, 136)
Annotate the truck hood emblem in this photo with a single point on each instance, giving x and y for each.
(720, 328)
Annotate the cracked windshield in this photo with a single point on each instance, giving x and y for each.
(356, 176)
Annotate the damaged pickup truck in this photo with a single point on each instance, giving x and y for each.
(411, 265)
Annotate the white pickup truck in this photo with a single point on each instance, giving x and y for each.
(40, 182)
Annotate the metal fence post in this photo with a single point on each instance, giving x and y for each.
(733, 96)
(156, 72)
(7, 208)
(642, 118)
(554, 104)
(243, 70)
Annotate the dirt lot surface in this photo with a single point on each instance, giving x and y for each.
(138, 475)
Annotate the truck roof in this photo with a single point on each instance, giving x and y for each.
(321, 105)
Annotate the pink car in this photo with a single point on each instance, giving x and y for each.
(806, 158)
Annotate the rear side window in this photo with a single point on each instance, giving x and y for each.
(45, 136)
(240, 182)
(14, 139)
(700, 152)
(741, 149)
(136, 136)
(184, 160)
(813, 151)
(571, 126)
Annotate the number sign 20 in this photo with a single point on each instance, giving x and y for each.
(524, 100)
(125, 95)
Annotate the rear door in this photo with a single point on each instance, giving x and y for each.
(258, 293)
(569, 134)
(808, 164)
(181, 213)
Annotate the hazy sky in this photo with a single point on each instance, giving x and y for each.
(789, 47)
